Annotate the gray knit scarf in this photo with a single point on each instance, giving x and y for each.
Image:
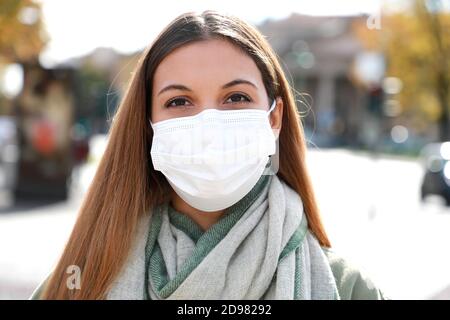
(260, 249)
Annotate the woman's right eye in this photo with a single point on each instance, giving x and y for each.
(177, 102)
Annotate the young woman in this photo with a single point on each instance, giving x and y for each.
(203, 190)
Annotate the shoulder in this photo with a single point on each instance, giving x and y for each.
(351, 282)
(37, 293)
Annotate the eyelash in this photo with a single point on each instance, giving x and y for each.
(167, 105)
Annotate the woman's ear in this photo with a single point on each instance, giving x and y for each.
(276, 116)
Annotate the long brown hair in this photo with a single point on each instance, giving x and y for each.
(126, 186)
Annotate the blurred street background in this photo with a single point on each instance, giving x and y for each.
(372, 82)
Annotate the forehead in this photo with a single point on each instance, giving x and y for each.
(210, 61)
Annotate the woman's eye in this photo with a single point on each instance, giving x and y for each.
(176, 102)
(236, 98)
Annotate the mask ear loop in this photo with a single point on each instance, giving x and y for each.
(274, 104)
(268, 170)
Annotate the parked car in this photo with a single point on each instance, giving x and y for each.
(8, 152)
(436, 180)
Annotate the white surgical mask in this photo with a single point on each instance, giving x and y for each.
(214, 158)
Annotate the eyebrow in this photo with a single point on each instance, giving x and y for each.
(235, 82)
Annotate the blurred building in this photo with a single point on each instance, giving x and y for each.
(319, 54)
(44, 112)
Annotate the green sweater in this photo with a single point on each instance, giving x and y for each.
(352, 284)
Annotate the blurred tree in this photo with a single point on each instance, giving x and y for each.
(22, 34)
(416, 44)
(93, 87)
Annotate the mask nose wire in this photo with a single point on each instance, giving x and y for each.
(274, 103)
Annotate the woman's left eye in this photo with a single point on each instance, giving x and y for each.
(236, 98)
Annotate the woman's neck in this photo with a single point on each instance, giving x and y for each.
(204, 219)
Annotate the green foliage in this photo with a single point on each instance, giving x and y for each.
(22, 35)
